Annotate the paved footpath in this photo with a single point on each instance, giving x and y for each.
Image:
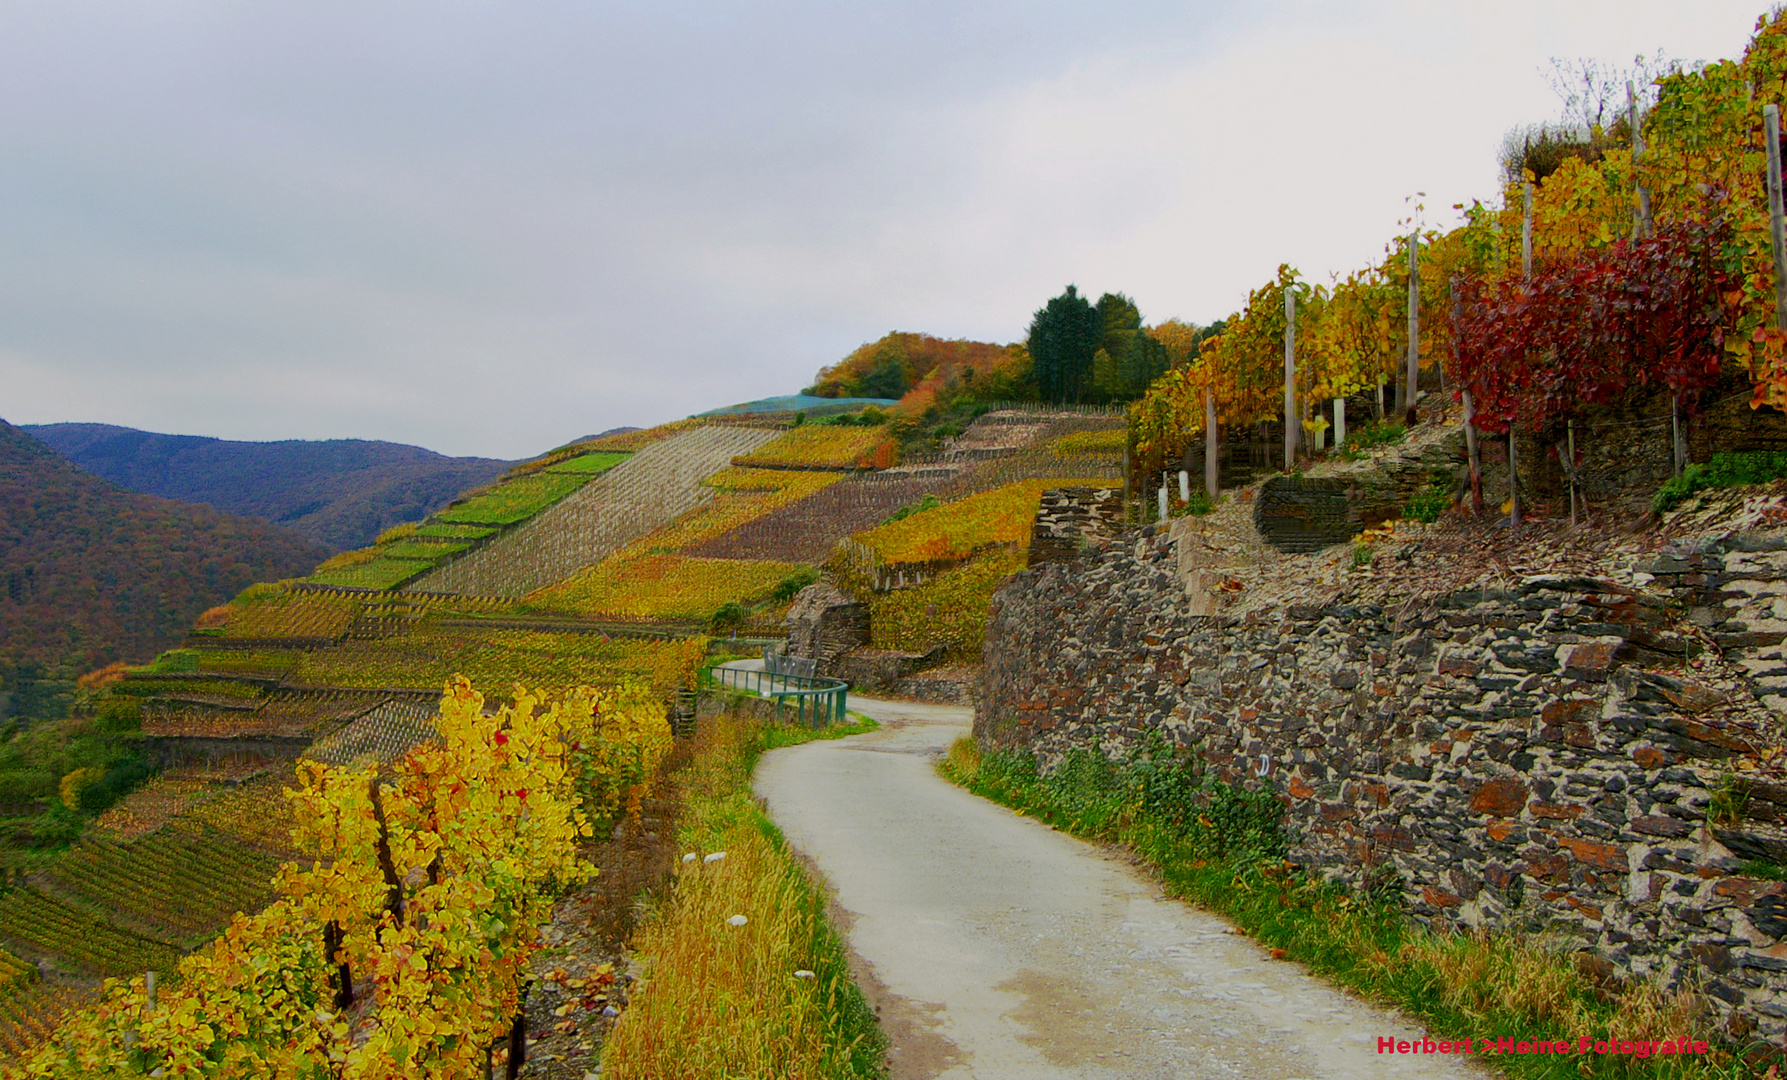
(996, 947)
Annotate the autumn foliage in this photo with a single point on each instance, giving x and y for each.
(900, 362)
(399, 949)
(1639, 314)
(1615, 306)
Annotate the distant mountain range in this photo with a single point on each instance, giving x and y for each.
(338, 492)
(90, 573)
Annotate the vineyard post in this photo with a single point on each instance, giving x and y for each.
(1470, 408)
(518, 1029)
(1570, 449)
(1339, 420)
(1163, 496)
(332, 942)
(1677, 444)
(1513, 480)
(1641, 213)
(1526, 234)
(1414, 361)
(1290, 379)
(1526, 273)
(149, 989)
(1777, 222)
(1184, 486)
(1470, 445)
(1210, 444)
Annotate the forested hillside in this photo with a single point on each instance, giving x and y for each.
(339, 492)
(90, 574)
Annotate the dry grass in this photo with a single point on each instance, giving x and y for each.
(719, 1000)
(1489, 978)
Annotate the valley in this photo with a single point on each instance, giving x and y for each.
(1388, 678)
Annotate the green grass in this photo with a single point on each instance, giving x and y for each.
(929, 502)
(514, 500)
(1724, 470)
(1361, 440)
(1222, 848)
(772, 736)
(455, 532)
(1429, 503)
(380, 573)
(421, 549)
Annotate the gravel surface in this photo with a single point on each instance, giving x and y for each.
(994, 946)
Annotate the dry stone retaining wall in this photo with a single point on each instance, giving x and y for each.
(1067, 517)
(1514, 756)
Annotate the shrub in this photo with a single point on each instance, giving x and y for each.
(1429, 503)
(118, 715)
(103, 677)
(728, 616)
(115, 783)
(1197, 506)
(1375, 434)
(927, 503)
(72, 785)
(794, 583)
(1724, 470)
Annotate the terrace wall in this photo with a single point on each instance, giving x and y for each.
(1507, 754)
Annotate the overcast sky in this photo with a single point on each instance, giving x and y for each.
(489, 228)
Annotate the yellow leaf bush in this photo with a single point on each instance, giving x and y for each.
(433, 881)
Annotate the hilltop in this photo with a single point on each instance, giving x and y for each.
(338, 492)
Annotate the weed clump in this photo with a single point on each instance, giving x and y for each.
(1724, 470)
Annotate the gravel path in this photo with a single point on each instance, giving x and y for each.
(996, 947)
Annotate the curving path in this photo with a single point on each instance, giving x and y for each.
(995, 947)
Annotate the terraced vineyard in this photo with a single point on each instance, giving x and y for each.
(375, 572)
(825, 446)
(806, 530)
(30, 1009)
(429, 655)
(741, 496)
(999, 449)
(948, 610)
(383, 735)
(267, 613)
(663, 586)
(957, 529)
(153, 805)
(256, 814)
(652, 487)
(346, 670)
(32, 923)
(174, 885)
(591, 464)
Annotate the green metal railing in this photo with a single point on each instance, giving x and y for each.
(800, 700)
